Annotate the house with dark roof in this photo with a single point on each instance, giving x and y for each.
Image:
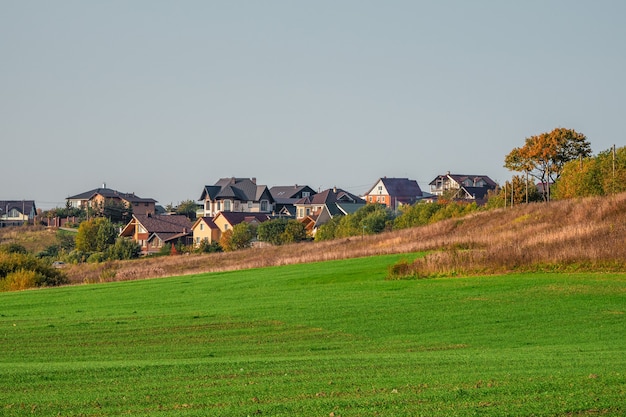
(463, 187)
(17, 212)
(286, 196)
(394, 192)
(236, 195)
(98, 198)
(154, 231)
(204, 228)
(316, 210)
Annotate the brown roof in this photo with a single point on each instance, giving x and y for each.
(174, 223)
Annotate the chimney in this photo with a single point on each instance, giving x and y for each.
(254, 180)
(335, 189)
(104, 185)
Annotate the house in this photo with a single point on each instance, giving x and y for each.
(204, 228)
(394, 192)
(463, 187)
(315, 210)
(17, 212)
(98, 198)
(286, 196)
(236, 195)
(154, 231)
(226, 220)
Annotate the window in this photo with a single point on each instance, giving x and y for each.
(264, 205)
(249, 204)
(14, 213)
(201, 226)
(226, 205)
(219, 205)
(226, 227)
(308, 211)
(306, 193)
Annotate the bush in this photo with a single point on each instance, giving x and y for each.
(13, 248)
(18, 270)
(19, 280)
(124, 248)
(206, 247)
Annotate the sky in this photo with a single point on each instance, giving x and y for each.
(161, 98)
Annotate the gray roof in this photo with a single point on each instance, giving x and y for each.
(110, 193)
(400, 187)
(23, 206)
(243, 189)
(331, 195)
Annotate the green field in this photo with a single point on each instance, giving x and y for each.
(326, 339)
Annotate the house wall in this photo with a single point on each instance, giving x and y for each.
(202, 231)
(211, 208)
(143, 208)
(222, 224)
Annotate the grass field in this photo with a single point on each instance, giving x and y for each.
(323, 339)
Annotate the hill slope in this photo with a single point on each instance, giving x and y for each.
(574, 234)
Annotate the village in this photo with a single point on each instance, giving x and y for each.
(231, 201)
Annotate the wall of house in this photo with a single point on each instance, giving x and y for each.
(202, 231)
(144, 208)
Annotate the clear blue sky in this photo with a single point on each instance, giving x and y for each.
(162, 97)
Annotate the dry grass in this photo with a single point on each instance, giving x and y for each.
(585, 234)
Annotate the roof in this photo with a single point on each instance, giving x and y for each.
(206, 220)
(172, 223)
(478, 193)
(399, 187)
(331, 195)
(459, 178)
(23, 206)
(289, 191)
(110, 193)
(236, 217)
(244, 189)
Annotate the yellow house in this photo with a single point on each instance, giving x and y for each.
(205, 229)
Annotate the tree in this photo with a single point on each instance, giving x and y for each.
(543, 156)
(239, 237)
(294, 232)
(116, 211)
(124, 248)
(604, 174)
(271, 231)
(95, 235)
(187, 208)
(281, 231)
(518, 191)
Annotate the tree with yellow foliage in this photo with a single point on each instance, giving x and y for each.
(543, 156)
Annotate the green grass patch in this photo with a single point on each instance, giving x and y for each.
(323, 339)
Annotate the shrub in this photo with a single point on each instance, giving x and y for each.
(13, 248)
(400, 270)
(19, 270)
(19, 280)
(124, 248)
(206, 247)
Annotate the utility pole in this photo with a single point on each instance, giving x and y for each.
(613, 168)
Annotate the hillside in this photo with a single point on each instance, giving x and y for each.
(577, 234)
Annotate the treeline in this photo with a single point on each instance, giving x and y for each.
(376, 218)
